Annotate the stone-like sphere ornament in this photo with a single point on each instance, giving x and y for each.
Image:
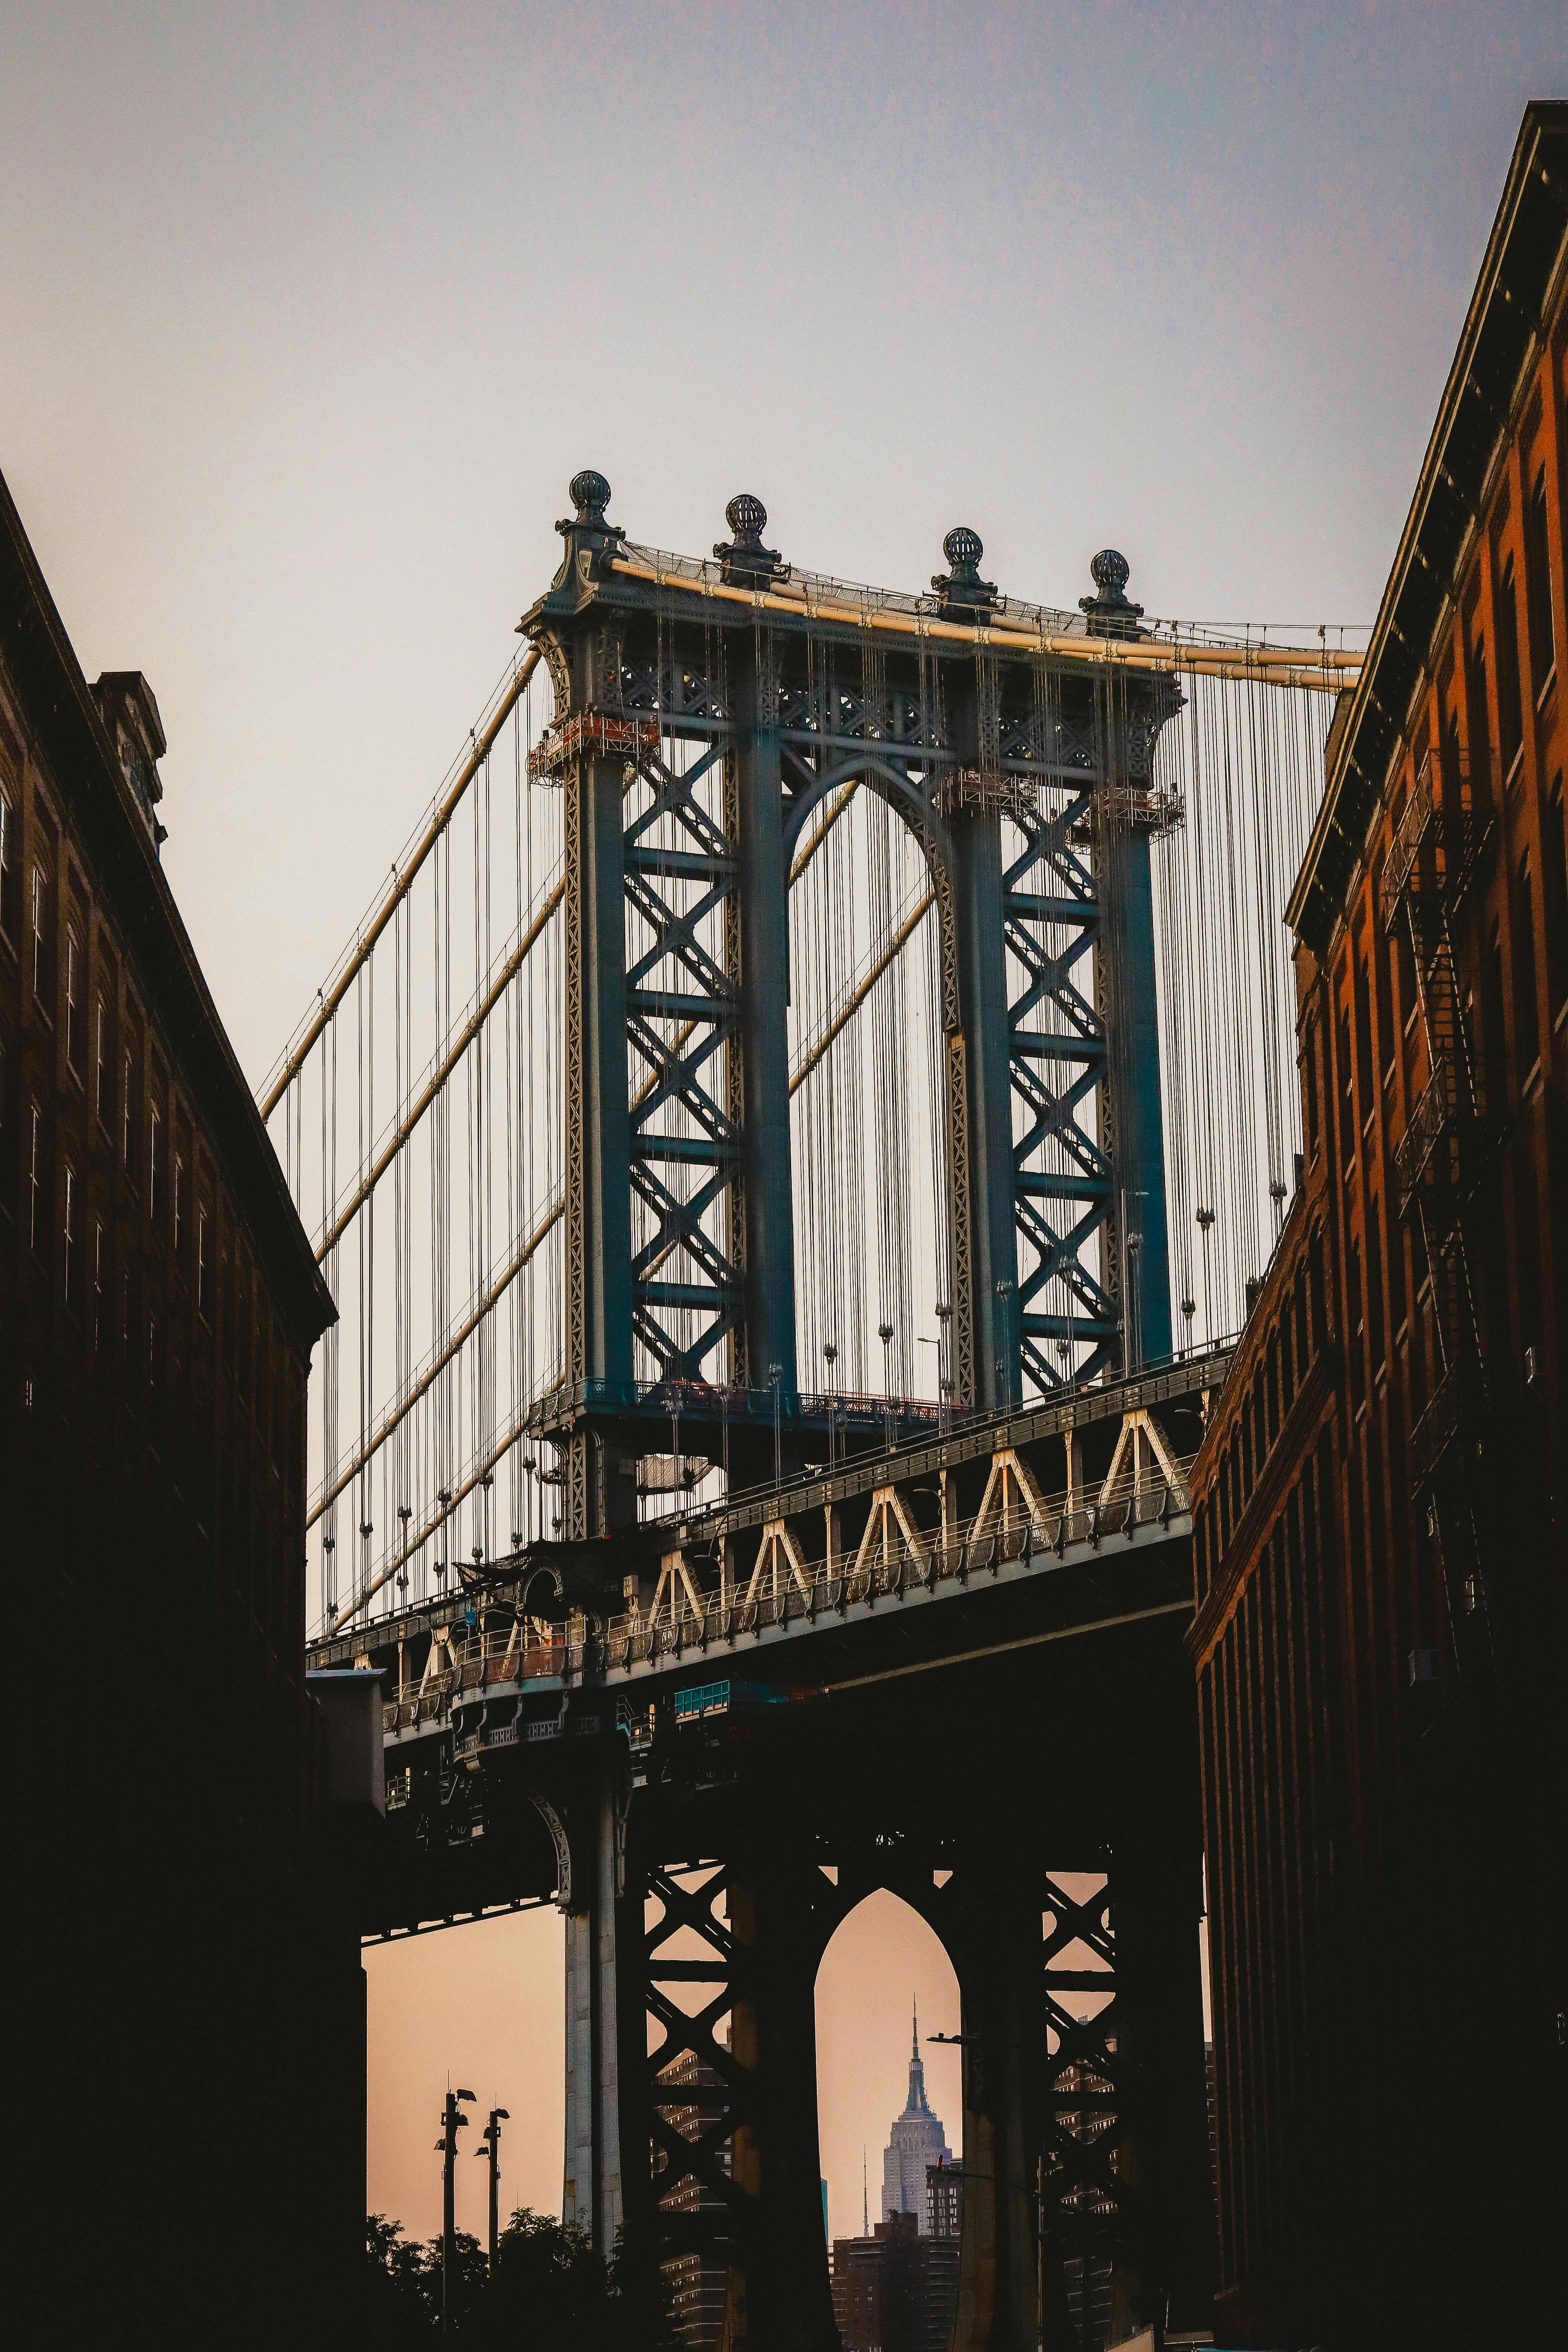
(745, 561)
(1109, 612)
(590, 494)
(960, 587)
(1110, 573)
(747, 517)
(963, 549)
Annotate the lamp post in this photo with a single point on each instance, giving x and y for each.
(490, 2151)
(776, 1377)
(452, 2122)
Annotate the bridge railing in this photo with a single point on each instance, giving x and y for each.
(785, 1588)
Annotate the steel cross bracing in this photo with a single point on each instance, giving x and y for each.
(679, 1025)
(1057, 1072)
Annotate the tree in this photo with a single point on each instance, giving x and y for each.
(550, 2287)
(470, 2287)
(404, 2300)
(641, 2311)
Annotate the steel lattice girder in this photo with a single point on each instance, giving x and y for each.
(707, 1013)
(1082, 1192)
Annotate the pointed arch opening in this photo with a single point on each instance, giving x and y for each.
(883, 1967)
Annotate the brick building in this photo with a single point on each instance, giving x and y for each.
(159, 1301)
(698, 2274)
(896, 2290)
(1378, 1554)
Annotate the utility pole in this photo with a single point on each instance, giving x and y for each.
(452, 2122)
(491, 2150)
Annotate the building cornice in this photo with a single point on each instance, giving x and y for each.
(84, 773)
(1525, 260)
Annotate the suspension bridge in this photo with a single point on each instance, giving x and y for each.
(789, 1149)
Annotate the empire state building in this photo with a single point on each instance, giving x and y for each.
(917, 2140)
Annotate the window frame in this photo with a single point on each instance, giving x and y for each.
(76, 960)
(39, 914)
(10, 868)
(69, 1269)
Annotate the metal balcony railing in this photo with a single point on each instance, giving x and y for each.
(1420, 1151)
(1437, 1430)
(1439, 839)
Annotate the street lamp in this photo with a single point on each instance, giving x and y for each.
(453, 2121)
(492, 2152)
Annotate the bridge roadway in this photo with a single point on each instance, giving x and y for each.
(1020, 1530)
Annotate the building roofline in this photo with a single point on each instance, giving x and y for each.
(1523, 258)
(63, 711)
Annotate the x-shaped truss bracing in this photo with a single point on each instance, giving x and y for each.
(681, 1014)
(696, 2090)
(1054, 1029)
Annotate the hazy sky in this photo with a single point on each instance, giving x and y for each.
(310, 314)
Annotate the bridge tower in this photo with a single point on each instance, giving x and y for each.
(956, 708)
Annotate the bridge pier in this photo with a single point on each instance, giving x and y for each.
(1169, 2264)
(779, 2298)
(605, 2151)
(998, 1972)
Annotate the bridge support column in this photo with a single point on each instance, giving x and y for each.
(606, 2158)
(1157, 1883)
(780, 2299)
(599, 1141)
(977, 895)
(764, 1246)
(998, 2280)
(1140, 1275)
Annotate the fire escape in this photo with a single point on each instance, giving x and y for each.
(1441, 1158)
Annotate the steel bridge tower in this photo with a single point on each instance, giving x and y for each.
(957, 708)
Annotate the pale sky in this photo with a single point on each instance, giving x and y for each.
(310, 314)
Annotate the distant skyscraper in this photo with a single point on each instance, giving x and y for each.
(918, 2142)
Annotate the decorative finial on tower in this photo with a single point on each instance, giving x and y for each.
(745, 561)
(915, 2046)
(590, 494)
(588, 532)
(1109, 613)
(961, 588)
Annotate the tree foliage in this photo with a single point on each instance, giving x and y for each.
(550, 2288)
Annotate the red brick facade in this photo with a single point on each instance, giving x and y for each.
(1380, 1551)
(158, 1305)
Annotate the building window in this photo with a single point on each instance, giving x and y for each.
(1526, 1014)
(8, 1198)
(1480, 718)
(100, 1276)
(128, 1340)
(36, 1180)
(154, 1388)
(179, 1211)
(1510, 709)
(1538, 587)
(73, 1002)
(9, 867)
(128, 1110)
(1556, 847)
(103, 1066)
(68, 1235)
(40, 925)
(154, 1153)
(204, 1265)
